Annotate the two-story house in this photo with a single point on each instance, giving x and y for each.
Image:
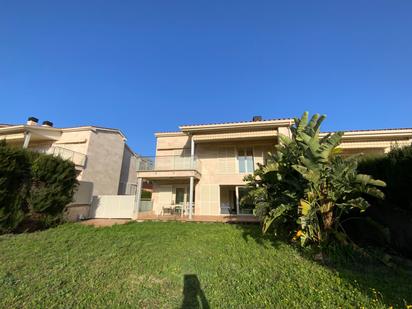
(199, 170)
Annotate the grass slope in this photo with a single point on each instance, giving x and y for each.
(173, 265)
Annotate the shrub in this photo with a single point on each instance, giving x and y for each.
(34, 189)
(395, 169)
(391, 217)
(307, 186)
(52, 187)
(14, 187)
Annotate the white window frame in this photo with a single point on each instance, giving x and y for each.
(238, 162)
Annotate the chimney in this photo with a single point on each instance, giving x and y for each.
(32, 121)
(257, 118)
(47, 123)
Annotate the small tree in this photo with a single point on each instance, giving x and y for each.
(14, 186)
(53, 185)
(306, 186)
(34, 188)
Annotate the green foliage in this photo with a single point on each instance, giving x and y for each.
(146, 194)
(53, 184)
(305, 187)
(395, 168)
(34, 188)
(14, 186)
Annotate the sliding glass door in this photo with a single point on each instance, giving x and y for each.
(243, 207)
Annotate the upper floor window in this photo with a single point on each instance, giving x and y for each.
(245, 160)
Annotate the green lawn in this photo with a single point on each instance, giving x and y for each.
(172, 265)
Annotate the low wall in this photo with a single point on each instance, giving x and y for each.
(113, 207)
(79, 209)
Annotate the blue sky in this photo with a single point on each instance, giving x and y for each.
(146, 66)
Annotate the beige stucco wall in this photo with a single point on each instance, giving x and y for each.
(104, 161)
(75, 141)
(128, 176)
(220, 167)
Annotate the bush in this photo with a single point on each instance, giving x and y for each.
(14, 187)
(52, 188)
(34, 189)
(395, 169)
(392, 217)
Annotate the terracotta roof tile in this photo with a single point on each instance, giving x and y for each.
(234, 122)
(368, 130)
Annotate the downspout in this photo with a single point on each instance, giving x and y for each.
(191, 186)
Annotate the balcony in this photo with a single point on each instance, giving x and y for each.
(79, 159)
(163, 167)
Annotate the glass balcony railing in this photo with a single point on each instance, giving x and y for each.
(77, 158)
(167, 163)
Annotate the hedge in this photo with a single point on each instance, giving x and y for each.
(34, 189)
(395, 169)
(389, 222)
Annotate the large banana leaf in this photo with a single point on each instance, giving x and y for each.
(275, 214)
(310, 175)
(368, 180)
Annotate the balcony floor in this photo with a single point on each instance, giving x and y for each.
(168, 174)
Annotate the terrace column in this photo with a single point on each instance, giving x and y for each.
(192, 150)
(192, 180)
(27, 135)
(138, 195)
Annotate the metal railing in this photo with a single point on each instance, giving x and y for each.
(167, 163)
(76, 157)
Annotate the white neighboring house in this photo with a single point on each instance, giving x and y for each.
(105, 164)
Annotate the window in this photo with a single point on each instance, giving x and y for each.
(245, 159)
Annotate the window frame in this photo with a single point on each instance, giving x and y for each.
(245, 159)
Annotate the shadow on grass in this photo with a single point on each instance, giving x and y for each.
(253, 231)
(391, 286)
(193, 295)
(371, 277)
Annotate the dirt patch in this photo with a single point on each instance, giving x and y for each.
(105, 222)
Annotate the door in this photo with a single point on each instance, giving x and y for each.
(243, 207)
(180, 196)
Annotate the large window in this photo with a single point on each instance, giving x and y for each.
(245, 159)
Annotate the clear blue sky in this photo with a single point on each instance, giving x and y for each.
(146, 66)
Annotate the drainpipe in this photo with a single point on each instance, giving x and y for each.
(27, 135)
(191, 197)
(138, 195)
(192, 158)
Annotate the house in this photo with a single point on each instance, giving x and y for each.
(198, 171)
(105, 164)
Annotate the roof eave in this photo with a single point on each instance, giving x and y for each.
(237, 125)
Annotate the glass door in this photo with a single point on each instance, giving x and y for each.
(243, 207)
(180, 196)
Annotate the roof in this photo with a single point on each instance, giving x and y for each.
(237, 125)
(371, 130)
(236, 122)
(22, 127)
(403, 133)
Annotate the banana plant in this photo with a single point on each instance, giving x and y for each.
(307, 186)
